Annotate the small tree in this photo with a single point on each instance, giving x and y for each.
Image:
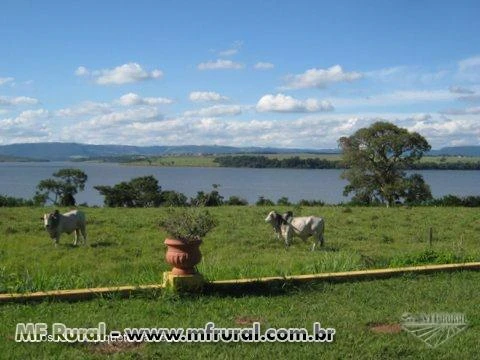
(173, 198)
(212, 198)
(376, 158)
(61, 191)
(284, 201)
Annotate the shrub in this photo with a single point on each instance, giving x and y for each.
(304, 202)
(235, 200)
(188, 224)
(264, 202)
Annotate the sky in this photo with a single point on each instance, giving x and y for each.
(292, 74)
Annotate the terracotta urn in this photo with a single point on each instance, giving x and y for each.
(183, 256)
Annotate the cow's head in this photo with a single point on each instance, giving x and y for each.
(272, 217)
(50, 222)
(275, 219)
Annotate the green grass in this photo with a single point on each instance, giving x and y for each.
(179, 161)
(126, 247)
(450, 159)
(350, 308)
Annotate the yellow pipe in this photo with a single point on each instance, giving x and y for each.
(84, 294)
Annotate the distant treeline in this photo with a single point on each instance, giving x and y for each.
(260, 161)
(460, 165)
(213, 198)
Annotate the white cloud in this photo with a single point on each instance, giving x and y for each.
(144, 125)
(28, 126)
(460, 90)
(5, 80)
(220, 64)
(134, 99)
(449, 131)
(123, 74)
(142, 114)
(82, 71)
(288, 104)
(472, 63)
(84, 109)
(469, 69)
(206, 96)
(470, 98)
(20, 100)
(263, 66)
(467, 111)
(233, 50)
(215, 111)
(110, 128)
(320, 78)
(395, 98)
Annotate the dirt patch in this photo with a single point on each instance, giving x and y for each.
(385, 328)
(247, 320)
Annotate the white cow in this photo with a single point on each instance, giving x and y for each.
(276, 220)
(72, 221)
(303, 227)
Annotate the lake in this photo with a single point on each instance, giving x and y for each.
(21, 179)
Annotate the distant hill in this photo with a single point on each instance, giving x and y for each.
(457, 151)
(71, 151)
(68, 151)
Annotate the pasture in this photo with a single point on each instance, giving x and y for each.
(125, 246)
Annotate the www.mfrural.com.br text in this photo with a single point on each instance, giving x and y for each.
(59, 332)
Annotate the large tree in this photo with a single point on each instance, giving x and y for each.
(376, 158)
(61, 189)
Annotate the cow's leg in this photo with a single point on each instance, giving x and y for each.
(319, 240)
(287, 236)
(76, 234)
(84, 234)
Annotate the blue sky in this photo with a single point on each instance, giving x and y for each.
(242, 73)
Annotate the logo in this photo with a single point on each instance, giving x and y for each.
(434, 329)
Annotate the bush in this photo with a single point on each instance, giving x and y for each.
(8, 201)
(429, 257)
(188, 224)
(173, 198)
(304, 202)
(283, 201)
(235, 200)
(264, 202)
(212, 198)
(452, 200)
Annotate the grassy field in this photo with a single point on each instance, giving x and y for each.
(352, 309)
(126, 247)
(180, 160)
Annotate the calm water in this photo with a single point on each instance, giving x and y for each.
(21, 179)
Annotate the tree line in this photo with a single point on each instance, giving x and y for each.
(261, 161)
(295, 162)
